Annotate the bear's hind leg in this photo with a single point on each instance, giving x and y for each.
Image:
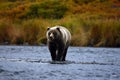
(64, 54)
(65, 51)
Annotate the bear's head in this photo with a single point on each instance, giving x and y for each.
(53, 33)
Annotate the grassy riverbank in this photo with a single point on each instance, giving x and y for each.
(91, 23)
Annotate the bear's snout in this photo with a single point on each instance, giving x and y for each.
(51, 36)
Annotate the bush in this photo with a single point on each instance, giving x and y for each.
(47, 9)
(33, 11)
(83, 1)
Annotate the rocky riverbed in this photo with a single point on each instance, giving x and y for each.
(83, 63)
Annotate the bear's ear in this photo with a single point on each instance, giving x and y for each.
(48, 28)
(58, 28)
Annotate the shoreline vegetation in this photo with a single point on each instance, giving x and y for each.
(93, 23)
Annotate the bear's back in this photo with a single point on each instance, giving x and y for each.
(66, 33)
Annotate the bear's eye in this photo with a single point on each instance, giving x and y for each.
(49, 33)
(54, 33)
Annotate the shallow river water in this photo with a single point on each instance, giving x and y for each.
(83, 63)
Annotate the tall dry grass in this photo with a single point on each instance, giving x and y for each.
(26, 32)
(93, 30)
(105, 33)
(86, 31)
(8, 32)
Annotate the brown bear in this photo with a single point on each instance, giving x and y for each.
(58, 40)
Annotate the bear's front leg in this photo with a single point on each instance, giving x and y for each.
(60, 52)
(59, 55)
(52, 49)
